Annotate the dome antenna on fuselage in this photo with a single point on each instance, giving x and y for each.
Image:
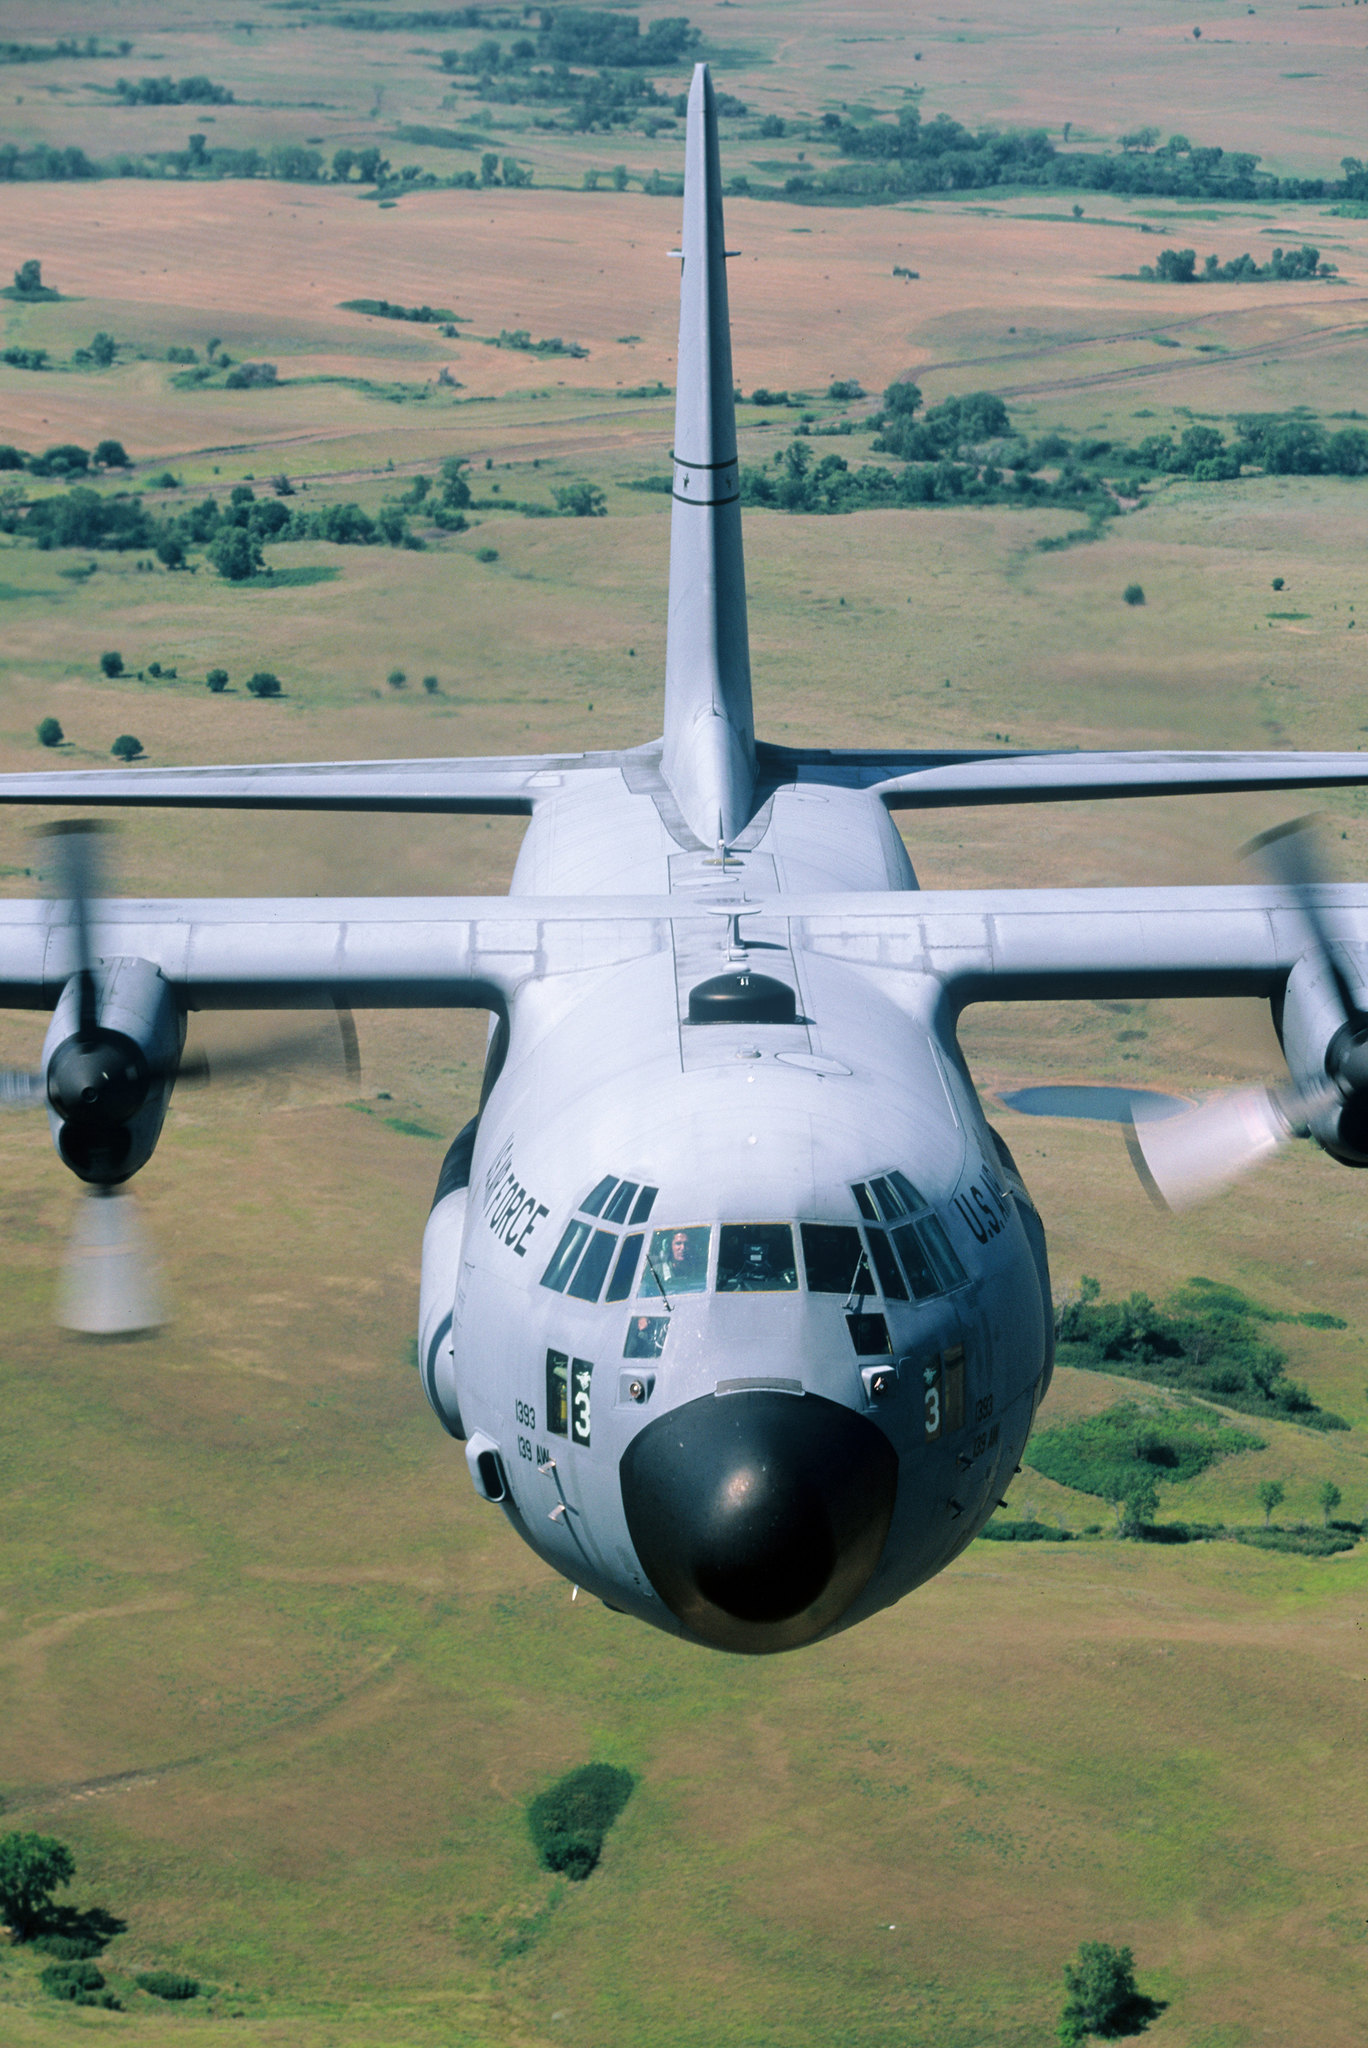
(709, 756)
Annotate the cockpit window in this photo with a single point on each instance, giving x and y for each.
(864, 1202)
(593, 1203)
(915, 1263)
(592, 1267)
(646, 1336)
(616, 1212)
(889, 1200)
(677, 1262)
(835, 1259)
(913, 1197)
(564, 1257)
(886, 1266)
(643, 1205)
(624, 1272)
(755, 1258)
(943, 1255)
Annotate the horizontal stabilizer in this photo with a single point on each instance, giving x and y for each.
(926, 781)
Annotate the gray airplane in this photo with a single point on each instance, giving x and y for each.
(739, 1306)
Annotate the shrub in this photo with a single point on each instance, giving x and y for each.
(110, 455)
(126, 748)
(1121, 1452)
(250, 377)
(75, 1981)
(486, 554)
(168, 1984)
(431, 685)
(580, 501)
(68, 1948)
(844, 390)
(263, 684)
(112, 663)
(1278, 582)
(1133, 594)
(217, 680)
(396, 679)
(50, 733)
(569, 1821)
(10, 456)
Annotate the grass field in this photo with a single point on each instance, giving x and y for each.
(284, 1684)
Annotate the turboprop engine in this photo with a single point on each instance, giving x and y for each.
(109, 1061)
(1324, 1028)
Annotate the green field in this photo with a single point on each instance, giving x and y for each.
(283, 1683)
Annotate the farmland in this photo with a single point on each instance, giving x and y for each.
(281, 1680)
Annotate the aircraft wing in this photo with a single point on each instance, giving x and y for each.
(928, 781)
(511, 784)
(479, 952)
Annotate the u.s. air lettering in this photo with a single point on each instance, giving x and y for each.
(983, 1209)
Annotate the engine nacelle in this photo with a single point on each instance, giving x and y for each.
(108, 1088)
(1325, 1052)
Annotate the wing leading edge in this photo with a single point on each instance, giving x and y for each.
(479, 952)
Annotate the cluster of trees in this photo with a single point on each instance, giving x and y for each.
(892, 158)
(65, 459)
(568, 1822)
(591, 61)
(172, 92)
(1124, 1454)
(1179, 266)
(1207, 1339)
(387, 309)
(65, 46)
(520, 338)
(1283, 444)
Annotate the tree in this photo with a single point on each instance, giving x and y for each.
(344, 162)
(1134, 593)
(236, 554)
(455, 489)
(28, 278)
(126, 748)
(263, 684)
(103, 349)
(1102, 1991)
(111, 455)
(431, 685)
(217, 680)
(489, 167)
(1272, 1492)
(112, 663)
(1139, 1505)
(31, 1868)
(580, 501)
(619, 177)
(1329, 1495)
(50, 734)
(171, 552)
(396, 679)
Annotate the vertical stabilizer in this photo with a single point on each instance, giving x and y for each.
(709, 758)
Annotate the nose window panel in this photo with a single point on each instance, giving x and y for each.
(889, 1200)
(835, 1259)
(756, 1258)
(864, 1202)
(646, 1336)
(915, 1263)
(886, 1266)
(593, 1203)
(643, 1205)
(677, 1262)
(616, 1212)
(564, 1257)
(624, 1272)
(869, 1334)
(592, 1267)
(912, 1196)
(942, 1253)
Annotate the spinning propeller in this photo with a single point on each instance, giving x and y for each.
(1183, 1159)
(106, 1092)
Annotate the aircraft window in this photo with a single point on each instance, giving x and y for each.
(564, 1257)
(616, 1212)
(557, 1393)
(835, 1259)
(864, 1202)
(593, 1203)
(869, 1334)
(889, 1200)
(589, 1274)
(581, 1374)
(646, 1336)
(677, 1262)
(645, 1202)
(942, 1253)
(755, 1258)
(624, 1272)
(886, 1266)
(916, 1265)
(913, 1197)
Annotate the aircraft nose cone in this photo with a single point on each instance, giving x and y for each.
(758, 1517)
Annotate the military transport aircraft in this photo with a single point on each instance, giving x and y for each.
(739, 1305)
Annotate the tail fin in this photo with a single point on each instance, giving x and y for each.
(709, 758)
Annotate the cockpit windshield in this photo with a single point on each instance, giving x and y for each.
(756, 1258)
(677, 1262)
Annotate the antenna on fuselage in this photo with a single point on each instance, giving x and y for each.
(709, 754)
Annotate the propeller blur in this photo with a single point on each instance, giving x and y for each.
(739, 1306)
